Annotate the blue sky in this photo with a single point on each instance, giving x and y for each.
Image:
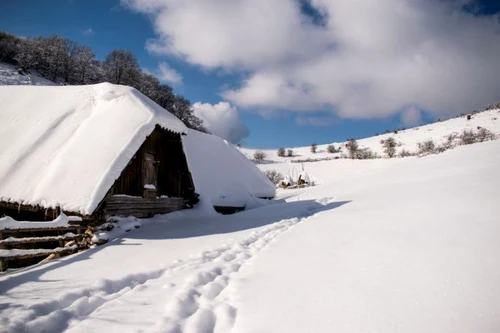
(304, 112)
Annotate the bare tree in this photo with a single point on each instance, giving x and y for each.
(274, 176)
(259, 156)
(28, 56)
(330, 149)
(121, 67)
(55, 56)
(484, 134)
(352, 147)
(9, 47)
(426, 147)
(390, 147)
(84, 64)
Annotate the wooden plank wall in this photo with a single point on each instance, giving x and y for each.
(119, 205)
(173, 175)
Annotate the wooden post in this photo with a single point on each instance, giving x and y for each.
(3, 265)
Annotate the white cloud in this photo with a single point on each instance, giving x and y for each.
(411, 116)
(88, 32)
(222, 119)
(368, 59)
(315, 120)
(167, 73)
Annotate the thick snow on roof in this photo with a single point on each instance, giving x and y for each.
(65, 146)
(221, 174)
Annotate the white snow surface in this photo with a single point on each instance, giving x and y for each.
(65, 146)
(387, 245)
(8, 222)
(221, 174)
(407, 139)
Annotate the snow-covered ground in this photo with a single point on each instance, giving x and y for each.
(10, 76)
(408, 139)
(400, 245)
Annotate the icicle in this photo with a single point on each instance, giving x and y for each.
(19, 208)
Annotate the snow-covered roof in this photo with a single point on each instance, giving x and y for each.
(66, 145)
(221, 174)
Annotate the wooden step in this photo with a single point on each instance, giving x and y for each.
(26, 254)
(13, 241)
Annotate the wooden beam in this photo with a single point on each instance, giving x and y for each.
(12, 241)
(27, 254)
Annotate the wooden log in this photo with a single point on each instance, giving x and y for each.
(12, 241)
(49, 258)
(30, 230)
(26, 254)
(3, 265)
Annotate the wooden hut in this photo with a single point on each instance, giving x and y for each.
(91, 152)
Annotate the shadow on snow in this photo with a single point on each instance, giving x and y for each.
(180, 226)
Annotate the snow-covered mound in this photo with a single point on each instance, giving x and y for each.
(407, 139)
(222, 174)
(9, 75)
(65, 145)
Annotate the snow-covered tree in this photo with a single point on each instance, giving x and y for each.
(84, 64)
(27, 56)
(121, 67)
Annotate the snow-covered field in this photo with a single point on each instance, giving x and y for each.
(400, 245)
(408, 139)
(383, 245)
(10, 76)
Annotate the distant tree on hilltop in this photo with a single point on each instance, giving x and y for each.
(62, 60)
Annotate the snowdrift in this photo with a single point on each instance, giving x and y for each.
(65, 145)
(221, 174)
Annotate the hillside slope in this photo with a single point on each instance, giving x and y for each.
(408, 139)
(10, 76)
(400, 245)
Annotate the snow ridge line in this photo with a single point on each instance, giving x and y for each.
(56, 315)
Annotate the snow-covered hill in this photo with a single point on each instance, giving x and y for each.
(388, 245)
(9, 76)
(383, 245)
(408, 139)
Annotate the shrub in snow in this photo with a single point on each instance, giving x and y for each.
(426, 147)
(493, 106)
(281, 152)
(259, 156)
(485, 135)
(352, 147)
(365, 154)
(289, 153)
(405, 153)
(330, 149)
(469, 117)
(467, 137)
(450, 141)
(274, 176)
(314, 147)
(441, 148)
(390, 147)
